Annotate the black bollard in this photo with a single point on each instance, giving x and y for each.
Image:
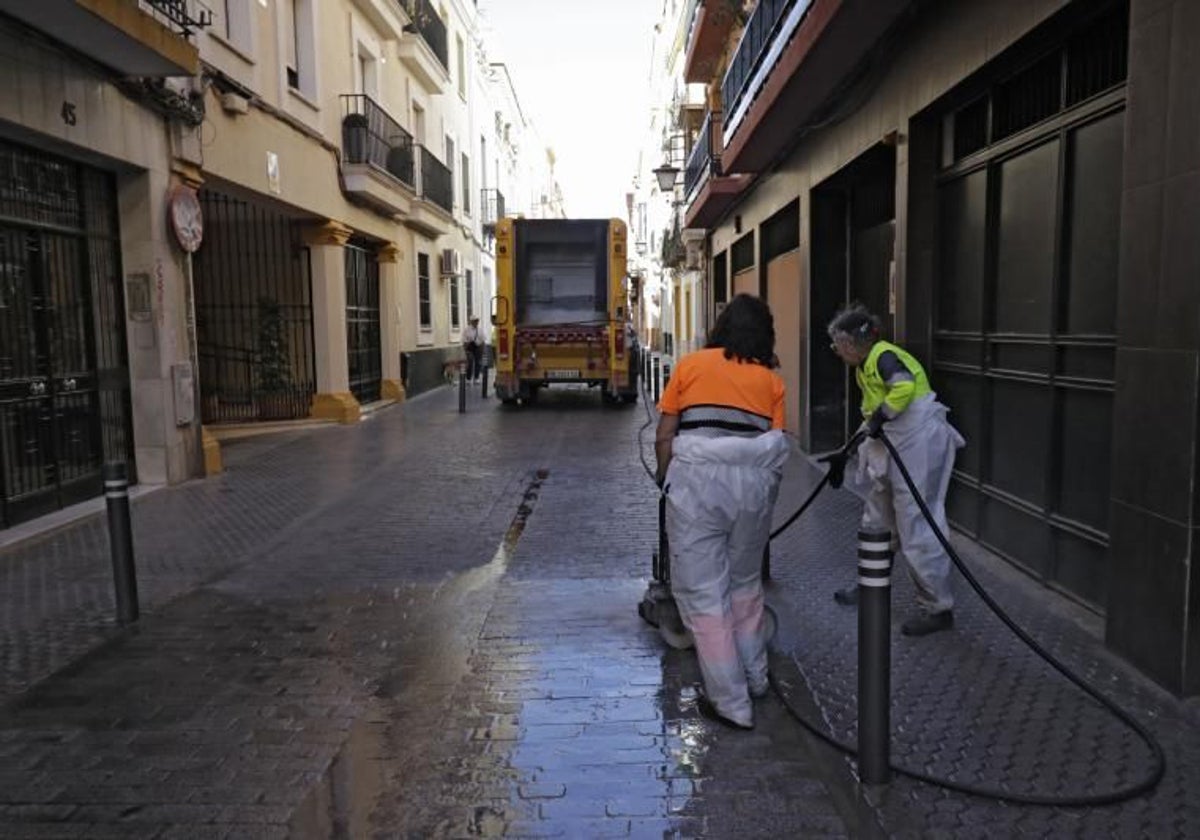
(666, 375)
(483, 392)
(654, 379)
(646, 366)
(462, 387)
(120, 540)
(766, 561)
(874, 656)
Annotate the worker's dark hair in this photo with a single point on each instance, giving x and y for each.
(856, 322)
(745, 329)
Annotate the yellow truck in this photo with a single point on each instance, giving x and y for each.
(561, 311)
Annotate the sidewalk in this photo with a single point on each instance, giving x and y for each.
(974, 704)
(424, 625)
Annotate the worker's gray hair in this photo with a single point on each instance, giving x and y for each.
(856, 323)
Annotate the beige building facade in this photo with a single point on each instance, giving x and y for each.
(243, 213)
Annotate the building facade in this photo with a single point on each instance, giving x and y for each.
(215, 214)
(1010, 187)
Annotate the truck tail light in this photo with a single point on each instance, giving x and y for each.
(502, 348)
(619, 343)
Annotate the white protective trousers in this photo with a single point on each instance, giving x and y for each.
(721, 493)
(927, 444)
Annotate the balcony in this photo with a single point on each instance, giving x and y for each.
(688, 107)
(792, 57)
(707, 192)
(492, 202)
(378, 162)
(433, 214)
(424, 50)
(712, 23)
(147, 38)
(388, 16)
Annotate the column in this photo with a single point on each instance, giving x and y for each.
(1153, 615)
(392, 386)
(333, 400)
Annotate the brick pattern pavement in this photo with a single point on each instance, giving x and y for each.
(975, 705)
(339, 639)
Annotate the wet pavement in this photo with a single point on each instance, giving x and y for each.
(424, 626)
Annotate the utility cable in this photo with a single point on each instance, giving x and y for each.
(1132, 791)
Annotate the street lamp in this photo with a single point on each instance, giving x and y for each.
(666, 175)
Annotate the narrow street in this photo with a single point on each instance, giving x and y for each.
(420, 626)
(424, 626)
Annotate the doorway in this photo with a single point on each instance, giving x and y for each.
(64, 382)
(853, 259)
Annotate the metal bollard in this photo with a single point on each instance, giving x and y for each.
(666, 375)
(874, 656)
(766, 561)
(484, 372)
(654, 378)
(462, 387)
(120, 539)
(646, 366)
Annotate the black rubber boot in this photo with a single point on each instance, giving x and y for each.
(847, 597)
(927, 623)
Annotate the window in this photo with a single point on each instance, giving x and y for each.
(465, 180)
(367, 74)
(470, 295)
(300, 46)
(418, 124)
(424, 309)
(235, 25)
(455, 314)
(462, 66)
(450, 163)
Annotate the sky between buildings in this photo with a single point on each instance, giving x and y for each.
(581, 69)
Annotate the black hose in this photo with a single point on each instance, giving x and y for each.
(1120, 795)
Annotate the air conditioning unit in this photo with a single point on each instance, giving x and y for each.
(451, 262)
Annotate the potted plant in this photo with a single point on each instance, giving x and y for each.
(355, 130)
(274, 370)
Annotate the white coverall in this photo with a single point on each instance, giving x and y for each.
(926, 443)
(721, 493)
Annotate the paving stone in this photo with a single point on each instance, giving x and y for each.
(337, 631)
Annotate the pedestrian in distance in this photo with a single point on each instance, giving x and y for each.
(721, 449)
(472, 342)
(897, 400)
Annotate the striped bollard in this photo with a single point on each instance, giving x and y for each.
(120, 540)
(654, 379)
(874, 656)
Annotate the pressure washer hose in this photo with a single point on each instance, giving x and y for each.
(1120, 795)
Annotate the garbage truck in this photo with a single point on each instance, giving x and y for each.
(561, 310)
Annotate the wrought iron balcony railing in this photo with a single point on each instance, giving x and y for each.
(702, 162)
(178, 14)
(437, 181)
(493, 207)
(756, 39)
(371, 136)
(430, 27)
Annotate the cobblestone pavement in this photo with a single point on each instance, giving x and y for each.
(424, 626)
(420, 626)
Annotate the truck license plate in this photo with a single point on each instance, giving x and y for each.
(562, 374)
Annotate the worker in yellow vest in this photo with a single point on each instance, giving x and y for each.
(897, 399)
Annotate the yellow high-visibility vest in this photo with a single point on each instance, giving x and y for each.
(876, 392)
